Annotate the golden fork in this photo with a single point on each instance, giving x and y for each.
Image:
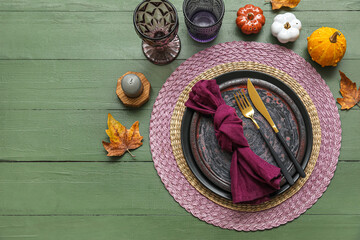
(245, 107)
(248, 111)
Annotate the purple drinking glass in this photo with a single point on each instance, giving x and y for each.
(157, 23)
(203, 18)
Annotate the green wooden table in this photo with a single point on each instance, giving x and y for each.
(59, 62)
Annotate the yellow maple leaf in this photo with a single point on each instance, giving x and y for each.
(121, 139)
(276, 4)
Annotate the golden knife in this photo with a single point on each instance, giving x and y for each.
(258, 103)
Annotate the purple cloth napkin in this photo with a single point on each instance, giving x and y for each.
(252, 178)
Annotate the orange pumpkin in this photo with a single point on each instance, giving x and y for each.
(250, 19)
(326, 46)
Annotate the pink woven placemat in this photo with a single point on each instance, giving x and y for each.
(271, 55)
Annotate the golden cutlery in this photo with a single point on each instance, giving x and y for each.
(258, 103)
(248, 111)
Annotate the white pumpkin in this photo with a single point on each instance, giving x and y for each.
(286, 27)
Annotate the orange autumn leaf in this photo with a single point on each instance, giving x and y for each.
(351, 95)
(276, 4)
(121, 139)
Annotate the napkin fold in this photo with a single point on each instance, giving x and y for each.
(252, 178)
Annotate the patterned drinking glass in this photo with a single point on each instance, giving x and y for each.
(157, 23)
(203, 18)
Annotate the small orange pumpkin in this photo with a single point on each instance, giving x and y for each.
(326, 46)
(250, 19)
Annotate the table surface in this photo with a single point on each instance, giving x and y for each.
(59, 63)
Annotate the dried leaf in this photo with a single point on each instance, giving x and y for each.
(351, 95)
(121, 139)
(276, 4)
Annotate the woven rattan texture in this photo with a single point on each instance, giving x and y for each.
(175, 133)
(176, 183)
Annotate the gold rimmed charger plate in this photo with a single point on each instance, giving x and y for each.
(175, 134)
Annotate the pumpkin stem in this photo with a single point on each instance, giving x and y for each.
(333, 37)
(287, 25)
(251, 16)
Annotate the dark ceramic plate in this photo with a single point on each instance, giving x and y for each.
(211, 165)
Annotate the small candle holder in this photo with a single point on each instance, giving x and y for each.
(133, 89)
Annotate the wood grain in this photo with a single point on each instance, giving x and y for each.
(174, 227)
(59, 63)
(52, 84)
(76, 135)
(111, 35)
(126, 188)
(119, 6)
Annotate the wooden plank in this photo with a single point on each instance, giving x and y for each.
(111, 35)
(65, 135)
(125, 188)
(84, 188)
(339, 196)
(170, 227)
(54, 112)
(72, 84)
(332, 75)
(350, 126)
(76, 135)
(114, 5)
(90, 84)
